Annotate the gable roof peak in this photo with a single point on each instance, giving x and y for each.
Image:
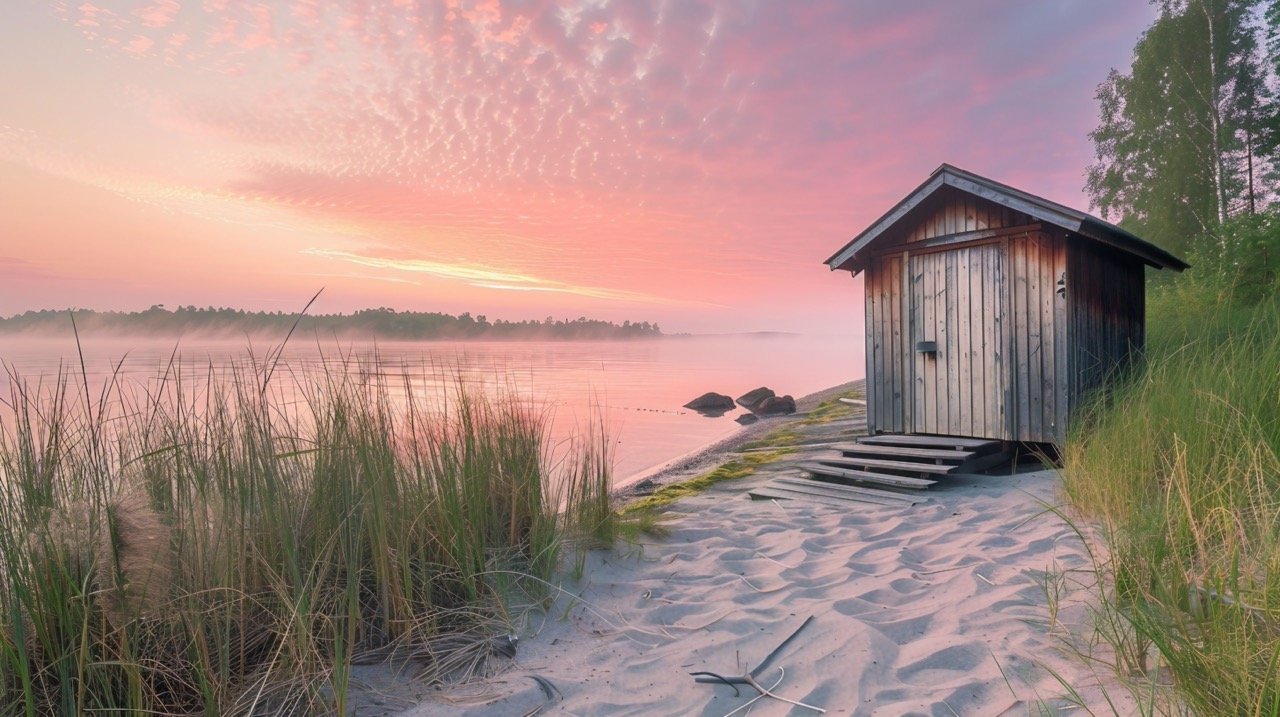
(1073, 221)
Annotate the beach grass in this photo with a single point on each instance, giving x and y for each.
(1181, 467)
(226, 546)
(834, 409)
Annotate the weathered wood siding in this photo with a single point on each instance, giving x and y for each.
(957, 299)
(1026, 322)
(953, 212)
(1106, 301)
(1037, 319)
(887, 380)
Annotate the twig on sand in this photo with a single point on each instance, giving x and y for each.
(749, 677)
(947, 570)
(549, 689)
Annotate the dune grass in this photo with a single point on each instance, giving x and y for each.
(1181, 467)
(228, 547)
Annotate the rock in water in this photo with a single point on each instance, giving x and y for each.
(747, 419)
(711, 401)
(776, 406)
(750, 399)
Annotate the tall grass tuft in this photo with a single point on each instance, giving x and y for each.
(234, 545)
(1182, 468)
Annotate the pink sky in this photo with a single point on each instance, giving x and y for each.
(686, 162)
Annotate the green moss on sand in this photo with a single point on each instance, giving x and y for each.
(833, 409)
(732, 470)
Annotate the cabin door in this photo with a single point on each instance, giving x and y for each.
(957, 342)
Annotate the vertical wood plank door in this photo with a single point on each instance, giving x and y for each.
(957, 302)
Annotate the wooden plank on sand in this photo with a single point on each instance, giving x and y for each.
(866, 476)
(780, 493)
(841, 489)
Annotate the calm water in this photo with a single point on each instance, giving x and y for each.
(639, 385)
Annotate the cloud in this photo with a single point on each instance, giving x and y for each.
(14, 268)
(158, 14)
(482, 276)
(693, 149)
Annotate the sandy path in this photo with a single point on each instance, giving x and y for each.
(936, 609)
(914, 608)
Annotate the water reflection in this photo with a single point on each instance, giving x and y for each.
(637, 387)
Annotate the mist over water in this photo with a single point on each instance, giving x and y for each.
(636, 387)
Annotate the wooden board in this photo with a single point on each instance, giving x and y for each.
(767, 493)
(886, 464)
(931, 441)
(841, 489)
(907, 451)
(815, 491)
(955, 301)
(867, 476)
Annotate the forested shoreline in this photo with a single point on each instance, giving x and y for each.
(381, 323)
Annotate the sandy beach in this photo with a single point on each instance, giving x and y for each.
(935, 609)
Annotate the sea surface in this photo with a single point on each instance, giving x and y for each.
(635, 387)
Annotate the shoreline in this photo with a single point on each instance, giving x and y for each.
(712, 455)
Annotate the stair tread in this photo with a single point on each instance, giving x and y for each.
(909, 451)
(885, 439)
(909, 466)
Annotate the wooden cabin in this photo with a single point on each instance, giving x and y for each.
(991, 312)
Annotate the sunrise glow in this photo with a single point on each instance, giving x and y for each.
(686, 162)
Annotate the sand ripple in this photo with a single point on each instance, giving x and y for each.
(936, 609)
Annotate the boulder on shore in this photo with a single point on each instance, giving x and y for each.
(747, 419)
(776, 406)
(751, 399)
(711, 401)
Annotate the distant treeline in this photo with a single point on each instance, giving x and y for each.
(381, 323)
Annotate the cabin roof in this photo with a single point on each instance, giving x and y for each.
(1073, 221)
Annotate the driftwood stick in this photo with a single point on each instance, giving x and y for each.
(769, 657)
(749, 678)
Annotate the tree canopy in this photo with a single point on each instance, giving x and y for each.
(1187, 138)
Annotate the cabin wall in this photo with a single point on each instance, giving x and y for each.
(1038, 320)
(1025, 322)
(1107, 309)
(887, 365)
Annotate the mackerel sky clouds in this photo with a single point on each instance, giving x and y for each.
(680, 161)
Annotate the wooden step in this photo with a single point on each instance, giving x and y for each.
(841, 489)
(955, 442)
(858, 476)
(788, 492)
(872, 449)
(767, 493)
(906, 466)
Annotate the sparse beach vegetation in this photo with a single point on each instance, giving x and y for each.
(1181, 467)
(228, 547)
(741, 467)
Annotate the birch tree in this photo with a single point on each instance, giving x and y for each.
(1178, 136)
